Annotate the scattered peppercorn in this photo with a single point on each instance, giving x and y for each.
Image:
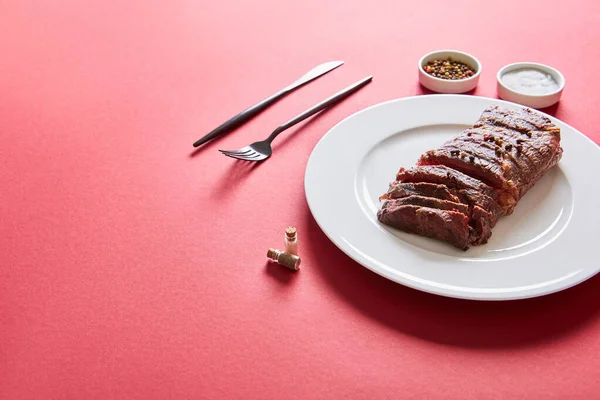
(508, 147)
(449, 69)
(471, 158)
(486, 137)
(469, 133)
(498, 141)
(498, 151)
(454, 153)
(528, 133)
(519, 141)
(463, 154)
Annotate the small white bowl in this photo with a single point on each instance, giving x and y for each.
(446, 85)
(530, 100)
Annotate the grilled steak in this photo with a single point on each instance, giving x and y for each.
(457, 192)
(507, 150)
(448, 226)
(399, 190)
(441, 174)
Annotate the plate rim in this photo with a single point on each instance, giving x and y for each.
(477, 296)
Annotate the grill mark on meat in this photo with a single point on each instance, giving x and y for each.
(440, 174)
(504, 168)
(483, 150)
(488, 151)
(399, 190)
(447, 226)
(523, 117)
(517, 125)
(484, 171)
(527, 151)
(517, 120)
(501, 169)
(537, 141)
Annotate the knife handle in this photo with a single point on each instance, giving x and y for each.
(242, 117)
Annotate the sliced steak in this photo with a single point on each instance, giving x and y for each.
(457, 192)
(430, 202)
(444, 225)
(400, 190)
(526, 145)
(444, 175)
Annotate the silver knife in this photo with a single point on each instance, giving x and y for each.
(249, 113)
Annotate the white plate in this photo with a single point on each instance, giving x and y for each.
(548, 244)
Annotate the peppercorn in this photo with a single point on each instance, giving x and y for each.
(528, 133)
(508, 147)
(471, 159)
(469, 133)
(454, 153)
(498, 151)
(519, 141)
(448, 69)
(463, 154)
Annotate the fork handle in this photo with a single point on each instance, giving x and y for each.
(242, 117)
(339, 96)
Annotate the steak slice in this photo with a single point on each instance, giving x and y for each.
(481, 220)
(458, 158)
(399, 190)
(457, 192)
(444, 225)
(444, 175)
(526, 145)
(474, 198)
(430, 202)
(483, 225)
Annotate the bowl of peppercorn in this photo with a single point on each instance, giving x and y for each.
(449, 71)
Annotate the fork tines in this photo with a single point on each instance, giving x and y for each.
(245, 154)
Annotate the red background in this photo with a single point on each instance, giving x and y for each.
(131, 268)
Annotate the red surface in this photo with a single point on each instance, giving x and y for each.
(130, 269)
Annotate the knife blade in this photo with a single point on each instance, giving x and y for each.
(254, 110)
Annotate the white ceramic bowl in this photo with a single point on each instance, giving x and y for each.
(446, 85)
(530, 100)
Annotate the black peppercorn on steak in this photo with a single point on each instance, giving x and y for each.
(457, 192)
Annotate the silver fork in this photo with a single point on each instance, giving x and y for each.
(262, 150)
